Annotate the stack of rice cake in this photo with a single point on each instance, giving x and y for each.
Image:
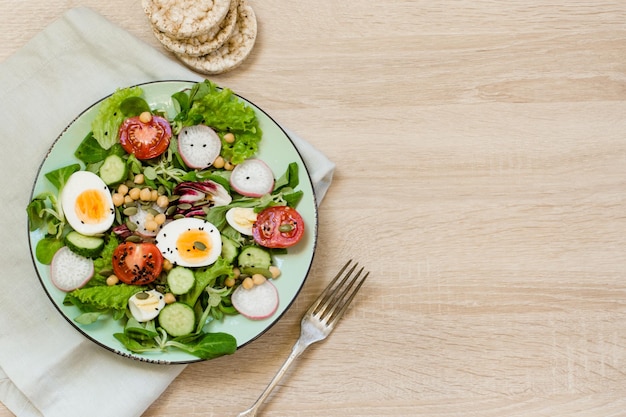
(209, 36)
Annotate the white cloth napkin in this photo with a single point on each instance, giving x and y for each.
(46, 367)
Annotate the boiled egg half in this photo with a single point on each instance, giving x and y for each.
(189, 242)
(146, 305)
(241, 219)
(87, 204)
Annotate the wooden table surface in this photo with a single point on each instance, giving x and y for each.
(481, 177)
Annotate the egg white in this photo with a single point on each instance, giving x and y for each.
(174, 242)
(241, 219)
(87, 187)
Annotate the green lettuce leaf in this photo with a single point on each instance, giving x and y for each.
(110, 116)
(103, 297)
(223, 111)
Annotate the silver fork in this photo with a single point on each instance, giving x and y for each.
(317, 323)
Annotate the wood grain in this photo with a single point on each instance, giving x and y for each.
(480, 150)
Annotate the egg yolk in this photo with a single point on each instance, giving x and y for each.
(91, 207)
(193, 245)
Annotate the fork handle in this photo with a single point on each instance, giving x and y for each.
(296, 351)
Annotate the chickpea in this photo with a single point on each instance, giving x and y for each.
(229, 137)
(145, 117)
(154, 194)
(228, 166)
(258, 279)
(151, 225)
(118, 199)
(112, 280)
(275, 271)
(162, 201)
(134, 193)
(159, 218)
(236, 272)
(128, 199)
(122, 189)
(247, 283)
(169, 298)
(139, 179)
(167, 265)
(145, 194)
(229, 282)
(219, 162)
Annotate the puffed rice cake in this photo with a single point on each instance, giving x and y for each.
(234, 51)
(180, 19)
(202, 44)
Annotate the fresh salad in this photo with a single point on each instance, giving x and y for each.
(167, 224)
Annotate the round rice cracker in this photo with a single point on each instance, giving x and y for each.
(180, 19)
(236, 49)
(203, 44)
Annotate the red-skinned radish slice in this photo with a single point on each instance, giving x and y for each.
(69, 271)
(199, 145)
(256, 303)
(252, 178)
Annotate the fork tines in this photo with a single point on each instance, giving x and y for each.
(334, 300)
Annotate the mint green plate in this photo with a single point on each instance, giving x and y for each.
(276, 149)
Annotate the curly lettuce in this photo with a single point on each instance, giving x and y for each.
(223, 111)
(110, 116)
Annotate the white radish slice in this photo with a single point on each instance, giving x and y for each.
(199, 145)
(252, 178)
(259, 302)
(69, 271)
(139, 219)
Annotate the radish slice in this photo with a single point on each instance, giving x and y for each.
(199, 145)
(69, 271)
(139, 219)
(252, 178)
(259, 302)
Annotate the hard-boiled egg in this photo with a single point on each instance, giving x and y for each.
(146, 305)
(241, 219)
(87, 204)
(189, 242)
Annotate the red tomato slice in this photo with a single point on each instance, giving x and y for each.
(145, 140)
(137, 263)
(278, 227)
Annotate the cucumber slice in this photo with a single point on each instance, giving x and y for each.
(180, 280)
(230, 250)
(177, 319)
(87, 246)
(113, 170)
(254, 257)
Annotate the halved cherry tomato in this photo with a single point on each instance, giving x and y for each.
(146, 140)
(137, 263)
(278, 227)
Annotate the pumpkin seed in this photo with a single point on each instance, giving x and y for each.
(131, 225)
(179, 216)
(130, 211)
(133, 238)
(184, 206)
(142, 295)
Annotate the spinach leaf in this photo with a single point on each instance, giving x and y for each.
(59, 177)
(89, 151)
(206, 345)
(134, 106)
(46, 248)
